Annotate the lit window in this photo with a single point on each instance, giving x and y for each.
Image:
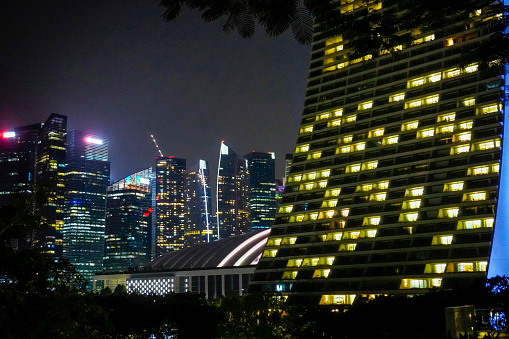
(327, 214)
(313, 216)
(448, 117)
(333, 192)
(310, 262)
(315, 155)
(353, 168)
(409, 125)
(408, 217)
(432, 99)
(429, 38)
(376, 132)
(310, 176)
(371, 221)
(338, 112)
(445, 129)
(286, 209)
(289, 241)
(344, 149)
(299, 218)
(466, 136)
(465, 125)
(420, 283)
(472, 68)
(460, 149)
(322, 184)
(415, 82)
(465, 267)
(334, 236)
(369, 233)
(453, 186)
(297, 177)
(350, 118)
(487, 144)
(452, 73)
(383, 185)
(411, 204)
(449, 42)
(414, 192)
(347, 247)
(359, 146)
(468, 102)
(474, 196)
(321, 273)
(289, 275)
(365, 187)
(274, 242)
(397, 97)
(324, 174)
(424, 133)
(413, 103)
(322, 116)
(334, 123)
(347, 138)
(442, 239)
(307, 187)
(481, 266)
(475, 223)
(374, 7)
(435, 268)
(345, 212)
(337, 299)
(370, 165)
(390, 140)
(451, 212)
(333, 40)
(306, 129)
(486, 169)
(490, 109)
(269, 253)
(378, 196)
(333, 50)
(302, 148)
(365, 105)
(294, 263)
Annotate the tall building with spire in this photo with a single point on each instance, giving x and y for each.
(397, 184)
(232, 198)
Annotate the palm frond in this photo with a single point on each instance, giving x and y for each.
(302, 26)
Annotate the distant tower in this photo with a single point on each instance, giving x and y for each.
(288, 164)
(128, 223)
(86, 181)
(199, 206)
(262, 189)
(232, 193)
(170, 204)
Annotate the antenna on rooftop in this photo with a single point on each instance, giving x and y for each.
(157, 146)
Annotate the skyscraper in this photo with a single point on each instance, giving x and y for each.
(86, 182)
(128, 223)
(394, 181)
(199, 206)
(170, 204)
(232, 193)
(262, 189)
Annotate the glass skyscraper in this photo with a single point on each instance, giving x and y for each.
(394, 182)
(86, 182)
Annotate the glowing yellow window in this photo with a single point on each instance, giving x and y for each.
(453, 186)
(466, 136)
(413, 103)
(435, 268)
(465, 125)
(487, 144)
(333, 50)
(465, 267)
(334, 236)
(347, 138)
(452, 73)
(409, 125)
(478, 170)
(460, 149)
(411, 204)
(302, 148)
(299, 218)
(449, 42)
(310, 262)
(330, 203)
(383, 185)
(420, 283)
(297, 177)
(472, 68)
(322, 116)
(344, 149)
(316, 155)
(448, 117)
(289, 275)
(415, 82)
(333, 192)
(490, 109)
(337, 299)
(306, 129)
(309, 176)
(334, 123)
(468, 102)
(338, 112)
(432, 99)
(424, 133)
(445, 129)
(352, 235)
(328, 214)
(365, 105)
(324, 174)
(286, 209)
(307, 187)
(326, 261)
(347, 247)
(371, 221)
(481, 266)
(370, 165)
(273, 242)
(321, 273)
(408, 217)
(294, 263)
(434, 77)
(322, 184)
(369, 233)
(350, 118)
(365, 187)
(397, 97)
(376, 132)
(474, 196)
(451, 212)
(359, 146)
(353, 168)
(333, 40)
(375, 7)
(390, 140)
(378, 196)
(442, 239)
(313, 216)
(289, 241)
(430, 37)
(269, 253)
(345, 212)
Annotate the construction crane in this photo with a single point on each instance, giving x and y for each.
(157, 146)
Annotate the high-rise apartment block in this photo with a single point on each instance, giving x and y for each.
(129, 223)
(232, 196)
(86, 182)
(394, 182)
(262, 188)
(170, 204)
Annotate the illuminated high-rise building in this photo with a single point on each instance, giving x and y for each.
(128, 223)
(199, 206)
(170, 204)
(232, 193)
(394, 182)
(262, 188)
(86, 182)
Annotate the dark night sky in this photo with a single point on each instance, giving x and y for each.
(116, 69)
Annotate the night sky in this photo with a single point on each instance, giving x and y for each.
(118, 70)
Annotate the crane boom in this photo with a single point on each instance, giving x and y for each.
(157, 146)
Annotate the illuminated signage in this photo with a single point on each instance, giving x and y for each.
(203, 164)
(145, 181)
(10, 134)
(94, 141)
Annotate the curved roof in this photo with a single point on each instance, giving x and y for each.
(240, 250)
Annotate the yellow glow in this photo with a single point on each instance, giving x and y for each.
(390, 140)
(449, 42)
(460, 149)
(397, 97)
(468, 102)
(429, 38)
(434, 77)
(359, 146)
(324, 173)
(453, 186)
(415, 82)
(432, 99)
(338, 112)
(302, 148)
(334, 123)
(322, 184)
(333, 40)
(353, 168)
(345, 212)
(306, 129)
(424, 133)
(409, 125)
(475, 223)
(289, 241)
(487, 144)
(289, 275)
(474, 196)
(448, 117)
(347, 138)
(466, 136)
(365, 187)
(383, 185)
(452, 73)
(413, 103)
(442, 239)
(472, 68)
(378, 196)
(323, 116)
(316, 155)
(337, 299)
(330, 203)
(411, 204)
(269, 253)
(465, 125)
(286, 209)
(334, 236)
(492, 108)
(420, 283)
(376, 132)
(409, 217)
(445, 129)
(486, 169)
(309, 176)
(273, 242)
(333, 192)
(344, 149)
(296, 177)
(294, 263)
(321, 273)
(365, 105)
(451, 212)
(371, 221)
(350, 118)
(370, 233)
(352, 235)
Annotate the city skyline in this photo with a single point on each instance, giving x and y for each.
(123, 73)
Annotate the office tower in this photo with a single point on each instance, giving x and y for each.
(170, 204)
(128, 223)
(50, 169)
(288, 164)
(394, 181)
(232, 197)
(86, 182)
(262, 188)
(199, 207)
